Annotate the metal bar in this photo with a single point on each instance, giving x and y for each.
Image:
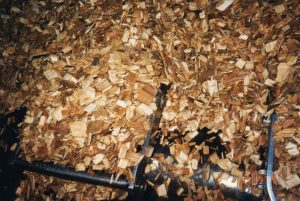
(270, 160)
(228, 187)
(99, 178)
(137, 187)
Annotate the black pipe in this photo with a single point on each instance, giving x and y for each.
(99, 178)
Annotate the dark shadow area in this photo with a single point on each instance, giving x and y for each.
(9, 177)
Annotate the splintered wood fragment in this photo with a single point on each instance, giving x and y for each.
(123, 150)
(105, 50)
(296, 139)
(224, 4)
(236, 172)
(130, 112)
(126, 36)
(87, 161)
(230, 130)
(193, 6)
(161, 190)
(249, 65)
(293, 181)
(240, 63)
(145, 109)
(194, 164)
(180, 191)
(134, 157)
(67, 49)
(290, 145)
(53, 58)
(13, 147)
(146, 94)
(50, 74)
(103, 85)
(97, 167)
(261, 109)
(287, 132)
(269, 47)
(279, 9)
(270, 82)
(182, 157)
(98, 158)
(283, 70)
(122, 103)
(193, 125)
(169, 160)
(225, 164)
(256, 159)
(42, 121)
(29, 119)
(78, 128)
(203, 58)
(90, 107)
(243, 37)
(115, 60)
(150, 183)
(69, 188)
(123, 163)
(288, 181)
(80, 167)
(69, 77)
(15, 9)
(214, 158)
(292, 149)
(212, 87)
(57, 113)
(190, 136)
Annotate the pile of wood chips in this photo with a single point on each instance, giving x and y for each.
(88, 72)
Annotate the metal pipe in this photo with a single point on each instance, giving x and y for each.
(270, 160)
(228, 186)
(99, 178)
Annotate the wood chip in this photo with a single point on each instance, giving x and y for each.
(98, 158)
(240, 63)
(146, 94)
(67, 49)
(283, 70)
(224, 4)
(78, 129)
(269, 47)
(90, 79)
(161, 191)
(80, 167)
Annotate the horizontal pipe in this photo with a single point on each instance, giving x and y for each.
(104, 179)
(99, 178)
